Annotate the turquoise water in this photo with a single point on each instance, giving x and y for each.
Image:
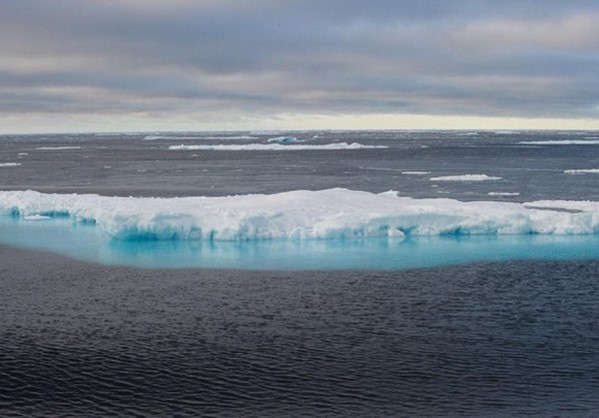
(90, 243)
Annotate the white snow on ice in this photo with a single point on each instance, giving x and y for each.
(503, 194)
(467, 177)
(273, 147)
(36, 218)
(9, 164)
(301, 214)
(583, 171)
(416, 173)
(563, 142)
(56, 148)
(206, 137)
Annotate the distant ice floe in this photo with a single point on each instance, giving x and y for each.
(467, 177)
(283, 140)
(206, 137)
(56, 148)
(10, 164)
(274, 147)
(416, 173)
(506, 194)
(583, 171)
(563, 142)
(301, 214)
(22, 154)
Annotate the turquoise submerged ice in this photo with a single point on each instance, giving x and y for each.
(334, 228)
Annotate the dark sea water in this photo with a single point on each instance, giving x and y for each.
(484, 339)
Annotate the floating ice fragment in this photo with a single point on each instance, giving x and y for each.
(583, 171)
(416, 173)
(274, 147)
(56, 148)
(467, 177)
(283, 140)
(507, 194)
(562, 142)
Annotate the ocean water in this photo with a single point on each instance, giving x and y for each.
(502, 167)
(509, 339)
(446, 317)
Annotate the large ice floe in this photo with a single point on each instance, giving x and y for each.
(299, 215)
(275, 147)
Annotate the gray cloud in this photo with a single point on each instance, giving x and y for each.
(469, 57)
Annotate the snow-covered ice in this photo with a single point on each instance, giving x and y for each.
(206, 137)
(467, 177)
(301, 214)
(583, 171)
(274, 147)
(56, 148)
(507, 194)
(416, 173)
(563, 142)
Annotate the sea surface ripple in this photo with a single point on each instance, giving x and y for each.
(482, 340)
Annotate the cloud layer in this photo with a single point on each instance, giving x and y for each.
(223, 61)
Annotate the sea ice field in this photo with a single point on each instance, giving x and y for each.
(303, 200)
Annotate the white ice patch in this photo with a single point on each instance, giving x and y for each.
(301, 214)
(467, 177)
(274, 147)
(10, 164)
(563, 142)
(183, 138)
(416, 173)
(56, 148)
(506, 194)
(584, 171)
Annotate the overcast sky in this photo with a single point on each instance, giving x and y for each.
(145, 65)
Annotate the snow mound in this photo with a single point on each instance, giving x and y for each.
(302, 214)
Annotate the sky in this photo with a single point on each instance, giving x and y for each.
(187, 65)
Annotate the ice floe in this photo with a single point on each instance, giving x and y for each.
(275, 147)
(467, 177)
(582, 171)
(301, 214)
